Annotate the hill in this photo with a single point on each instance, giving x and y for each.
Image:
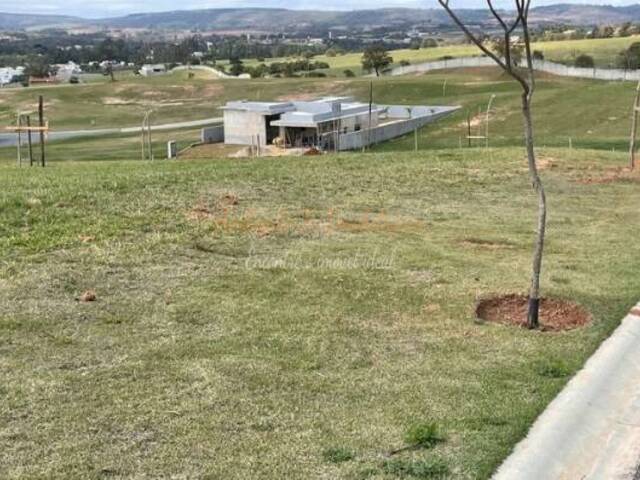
(280, 20)
(19, 21)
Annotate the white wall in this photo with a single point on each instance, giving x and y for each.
(242, 128)
(540, 65)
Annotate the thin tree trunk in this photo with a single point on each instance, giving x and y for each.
(634, 128)
(533, 321)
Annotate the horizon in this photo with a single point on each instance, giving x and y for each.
(100, 9)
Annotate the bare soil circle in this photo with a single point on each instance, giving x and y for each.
(556, 315)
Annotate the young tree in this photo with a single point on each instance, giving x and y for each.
(376, 59)
(525, 78)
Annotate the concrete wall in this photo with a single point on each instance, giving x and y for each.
(357, 140)
(243, 128)
(540, 65)
(212, 134)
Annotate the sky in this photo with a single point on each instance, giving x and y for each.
(107, 8)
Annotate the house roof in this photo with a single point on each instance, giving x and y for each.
(265, 108)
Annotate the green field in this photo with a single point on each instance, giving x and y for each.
(565, 110)
(297, 317)
(256, 317)
(603, 51)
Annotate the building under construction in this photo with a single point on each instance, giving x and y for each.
(334, 123)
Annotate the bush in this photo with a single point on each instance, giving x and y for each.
(405, 63)
(538, 55)
(349, 73)
(429, 43)
(584, 61)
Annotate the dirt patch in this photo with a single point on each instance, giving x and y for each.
(612, 175)
(219, 208)
(555, 315)
(483, 244)
(117, 101)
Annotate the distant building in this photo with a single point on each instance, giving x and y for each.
(65, 71)
(10, 75)
(334, 123)
(152, 70)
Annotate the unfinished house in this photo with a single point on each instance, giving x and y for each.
(335, 123)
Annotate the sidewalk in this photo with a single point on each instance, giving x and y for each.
(591, 431)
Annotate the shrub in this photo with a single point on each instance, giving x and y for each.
(349, 73)
(429, 43)
(584, 61)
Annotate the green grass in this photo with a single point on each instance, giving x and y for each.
(253, 314)
(603, 51)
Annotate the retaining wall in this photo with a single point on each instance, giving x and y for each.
(357, 140)
(540, 65)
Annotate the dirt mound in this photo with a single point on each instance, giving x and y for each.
(555, 315)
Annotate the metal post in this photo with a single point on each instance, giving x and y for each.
(370, 114)
(469, 129)
(149, 137)
(41, 119)
(634, 128)
(416, 138)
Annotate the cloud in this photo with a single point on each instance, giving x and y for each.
(102, 8)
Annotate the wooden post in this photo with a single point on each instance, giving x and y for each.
(41, 120)
(415, 132)
(30, 141)
(486, 133)
(634, 128)
(19, 123)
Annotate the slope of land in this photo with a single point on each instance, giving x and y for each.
(293, 317)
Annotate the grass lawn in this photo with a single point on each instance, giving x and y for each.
(293, 317)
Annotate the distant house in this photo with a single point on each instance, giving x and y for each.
(152, 70)
(333, 123)
(10, 75)
(65, 71)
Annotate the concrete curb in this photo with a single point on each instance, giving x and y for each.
(591, 431)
